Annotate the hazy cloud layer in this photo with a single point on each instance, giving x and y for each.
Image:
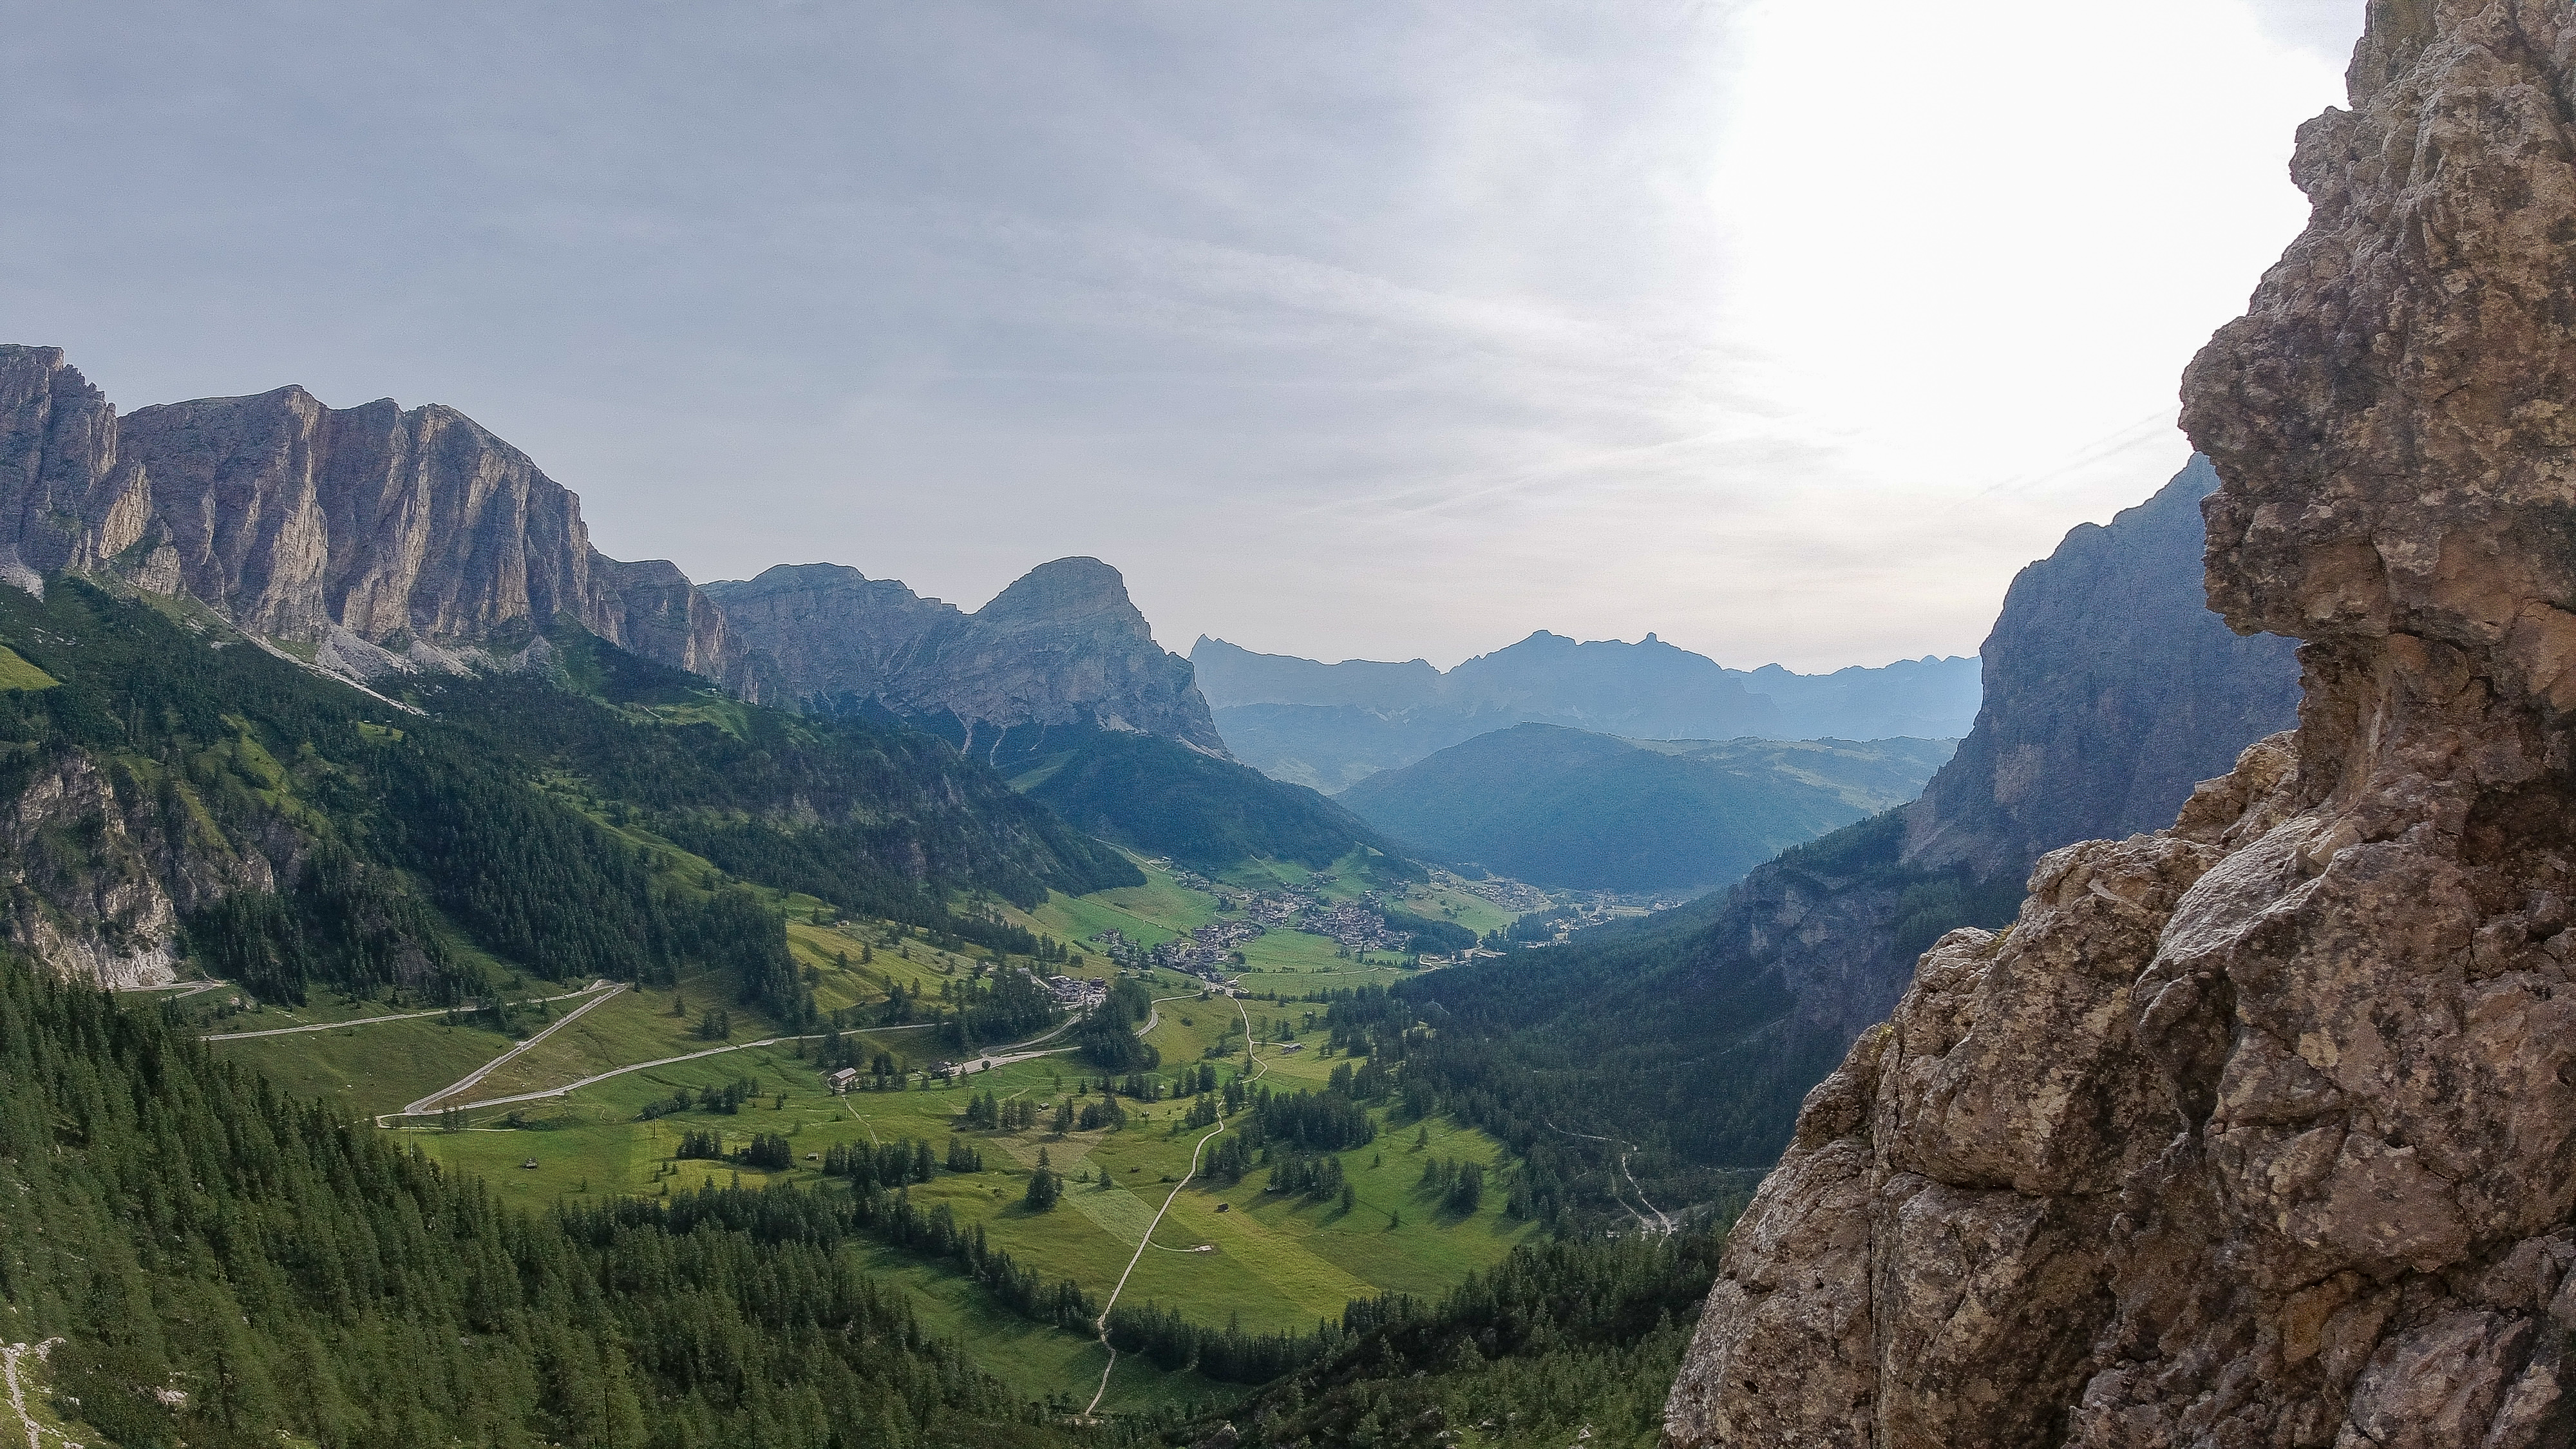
(1787, 330)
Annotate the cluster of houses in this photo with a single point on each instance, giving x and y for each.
(1121, 952)
(1207, 949)
(1074, 993)
(1284, 910)
(1356, 927)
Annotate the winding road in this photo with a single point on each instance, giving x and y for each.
(606, 991)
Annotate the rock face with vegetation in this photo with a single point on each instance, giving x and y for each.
(2261, 1130)
(1064, 647)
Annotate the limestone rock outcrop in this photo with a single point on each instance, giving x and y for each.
(1062, 647)
(386, 537)
(2261, 1130)
(2110, 691)
(390, 539)
(67, 500)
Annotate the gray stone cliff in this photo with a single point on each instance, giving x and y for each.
(2110, 691)
(381, 534)
(389, 539)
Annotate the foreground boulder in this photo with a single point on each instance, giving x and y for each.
(2261, 1130)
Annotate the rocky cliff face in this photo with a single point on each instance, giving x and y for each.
(67, 500)
(2261, 1130)
(1062, 647)
(2110, 691)
(384, 536)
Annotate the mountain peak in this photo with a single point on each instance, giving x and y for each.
(1063, 591)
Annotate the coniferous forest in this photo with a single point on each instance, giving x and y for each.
(229, 1266)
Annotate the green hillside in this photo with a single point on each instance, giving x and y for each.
(1164, 798)
(1562, 807)
(588, 935)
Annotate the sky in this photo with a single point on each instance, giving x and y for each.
(1787, 331)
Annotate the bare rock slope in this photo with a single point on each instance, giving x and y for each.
(2261, 1130)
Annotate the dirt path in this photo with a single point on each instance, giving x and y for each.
(10, 1353)
(873, 1139)
(372, 1020)
(1661, 1223)
(1007, 1056)
(1196, 1152)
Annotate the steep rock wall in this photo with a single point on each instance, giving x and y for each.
(97, 868)
(2261, 1130)
(383, 535)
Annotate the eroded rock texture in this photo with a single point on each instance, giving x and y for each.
(2262, 1130)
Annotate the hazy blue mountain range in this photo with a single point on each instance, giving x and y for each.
(1330, 725)
(1563, 807)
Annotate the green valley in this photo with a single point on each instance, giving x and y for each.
(608, 1103)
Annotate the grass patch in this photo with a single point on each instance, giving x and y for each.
(369, 1069)
(17, 673)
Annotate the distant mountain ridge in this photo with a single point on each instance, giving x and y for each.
(1561, 807)
(1331, 725)
(1063, 646)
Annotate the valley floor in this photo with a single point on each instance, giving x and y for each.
(582, 1107)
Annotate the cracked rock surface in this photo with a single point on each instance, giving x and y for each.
(2261, 1130)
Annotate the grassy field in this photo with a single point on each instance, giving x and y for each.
(17, 673)
(1223, 1252)
(371, 1069)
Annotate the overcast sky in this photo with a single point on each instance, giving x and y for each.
(1788, 330)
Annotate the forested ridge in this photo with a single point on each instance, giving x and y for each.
(309, 834)
(1166, 798)
(226, 1266)
(1567, 1341)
